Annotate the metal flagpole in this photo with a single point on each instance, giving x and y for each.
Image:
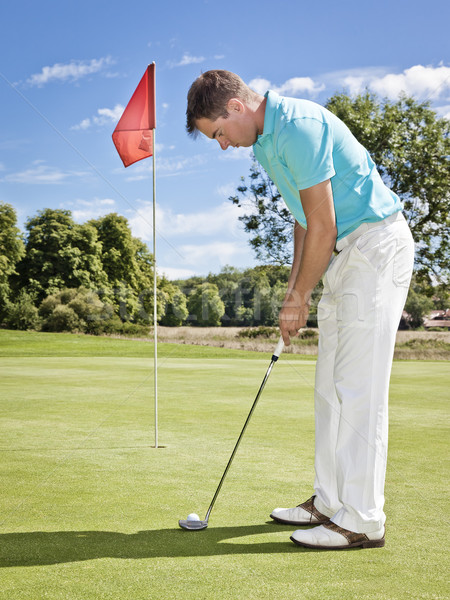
(155, 312)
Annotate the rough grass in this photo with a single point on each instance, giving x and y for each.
(89, 508)
(410, 345)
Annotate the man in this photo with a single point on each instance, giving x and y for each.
(332, 187)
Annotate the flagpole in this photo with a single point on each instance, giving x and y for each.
(155, 308)
(130, 137)
(155, 312)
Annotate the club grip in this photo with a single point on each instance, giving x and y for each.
(278, 350)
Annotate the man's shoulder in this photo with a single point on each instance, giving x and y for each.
(297, 108)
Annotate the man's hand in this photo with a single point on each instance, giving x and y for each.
(293, 315)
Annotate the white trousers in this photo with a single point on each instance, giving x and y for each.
(365, 289)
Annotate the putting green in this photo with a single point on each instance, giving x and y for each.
(89, 508)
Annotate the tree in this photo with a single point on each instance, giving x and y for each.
(268, 222)
(205, 306)
(128, 265)
(11, 251)
(21, 313)
(418, 306)
(410, 146)
(174, 304)
(59, 253)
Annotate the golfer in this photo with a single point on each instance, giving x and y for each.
(349, 229)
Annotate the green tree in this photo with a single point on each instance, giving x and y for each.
(21, 313)
(73, 309)
(418, 306)
(205, 306)
(227, 282)
(59, 253)
(410, 146)
(129, 267)
(268, 222)
(250, 296)
(11, 251)
(119, 250)
(174, 304)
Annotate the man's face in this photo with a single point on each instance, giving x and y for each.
(238, 129)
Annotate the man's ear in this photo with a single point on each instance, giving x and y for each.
(235, 105)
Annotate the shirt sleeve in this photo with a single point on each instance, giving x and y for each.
(305, 146)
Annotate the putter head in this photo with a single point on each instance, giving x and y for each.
(192, 525)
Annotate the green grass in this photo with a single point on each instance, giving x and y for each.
(89, 509)
(31, 343)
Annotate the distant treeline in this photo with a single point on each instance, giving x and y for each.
(97, 278)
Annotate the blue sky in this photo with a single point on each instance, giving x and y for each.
(68, 69)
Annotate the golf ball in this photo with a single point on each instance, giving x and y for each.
(193, 517)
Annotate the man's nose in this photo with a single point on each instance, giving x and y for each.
(224, 144)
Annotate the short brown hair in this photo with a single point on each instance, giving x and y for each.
(209, 94)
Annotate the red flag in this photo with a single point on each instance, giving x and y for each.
(133, 136)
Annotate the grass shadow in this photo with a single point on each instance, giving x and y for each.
(53, 547)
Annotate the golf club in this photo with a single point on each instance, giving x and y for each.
(194, 524)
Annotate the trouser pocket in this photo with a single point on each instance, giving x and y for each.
(403, 262)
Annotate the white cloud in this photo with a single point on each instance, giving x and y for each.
(85, 124)
(260, 85)
(39, 174)
(165, 166)
(419, 81)
(219, 220)
(175, 273)
(108, 115)
(223, 253)
(187, 59)
(202, 241)
(72, 71)
(227, 190)
(240, 153)
(85, 210)
(292, 87)
(104, 116)
(444, 111)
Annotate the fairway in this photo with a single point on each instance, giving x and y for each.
(89, 508)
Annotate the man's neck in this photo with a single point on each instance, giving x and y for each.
(260, 113)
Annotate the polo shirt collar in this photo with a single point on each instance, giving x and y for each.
(269, 115)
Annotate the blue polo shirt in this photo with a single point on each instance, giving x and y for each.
(304, 144)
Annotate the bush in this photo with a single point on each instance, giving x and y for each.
(22, 314)
(63, 318)
(259, 332)
(75, 310)
(269, 332)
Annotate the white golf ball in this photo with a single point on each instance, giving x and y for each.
(193, 517)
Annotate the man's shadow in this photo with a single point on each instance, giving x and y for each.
(52, 547)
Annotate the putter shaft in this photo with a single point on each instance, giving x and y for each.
(275, 356)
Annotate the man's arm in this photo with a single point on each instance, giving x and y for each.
(299, 238)
(317, 247)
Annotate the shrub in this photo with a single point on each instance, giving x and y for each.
(262, 332)
(22, 314)
(63, 318)
(75, 310)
